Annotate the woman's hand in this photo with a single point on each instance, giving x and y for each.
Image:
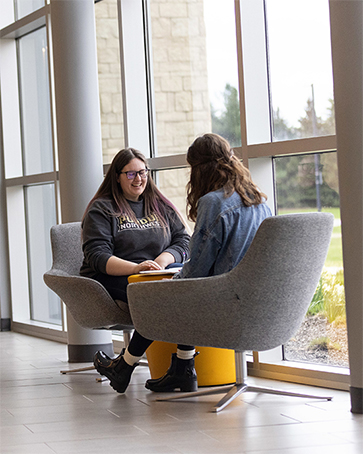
(165, 259)
(146, 266)
(119, 267)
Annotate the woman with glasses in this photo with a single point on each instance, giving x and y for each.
(128, 227)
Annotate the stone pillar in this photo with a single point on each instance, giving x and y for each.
(347, 50)
(78, 134)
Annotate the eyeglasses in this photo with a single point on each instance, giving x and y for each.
(131, 174)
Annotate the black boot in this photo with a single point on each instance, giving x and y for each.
(180, 375)
(101, 360)
(116, 370)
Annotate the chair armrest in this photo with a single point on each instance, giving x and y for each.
(87, 300)
(56, 272)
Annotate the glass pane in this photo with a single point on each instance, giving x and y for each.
(222, 69)
(40, 216)
(310, 183)
(7, 15)
(172, 183)
(300, 68)
(35, 103)
(194, 72)
(109, 74)
(25, 7)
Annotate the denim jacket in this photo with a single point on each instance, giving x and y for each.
(223, 232)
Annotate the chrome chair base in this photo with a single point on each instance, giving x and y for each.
(235, 391)
(238, 388)
(85, 369)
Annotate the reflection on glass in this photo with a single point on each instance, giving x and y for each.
(109, 76)
(194, 71)
(40, 210)
(310, 183)
(35, 103)
(300, 68)
(25, 7)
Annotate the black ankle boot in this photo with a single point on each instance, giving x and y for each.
(116, 370)
(180, 375)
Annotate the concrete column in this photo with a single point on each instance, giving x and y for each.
(78, 134)
(347, 50)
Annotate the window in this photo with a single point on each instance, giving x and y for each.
(109, 75)
(35, 103)
(29, 166)
(300, 68)
(194, 72)
(308, 178)
(40, 216)
(25, 7)
(310, 183)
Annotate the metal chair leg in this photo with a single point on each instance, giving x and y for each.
(239, 388)
(81, 369)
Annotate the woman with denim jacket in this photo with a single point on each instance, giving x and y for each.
(227, 208)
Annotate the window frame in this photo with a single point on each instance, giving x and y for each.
(15, 181)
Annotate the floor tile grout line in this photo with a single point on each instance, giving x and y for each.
(114, 414)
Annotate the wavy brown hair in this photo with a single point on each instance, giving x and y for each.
(213, 167)
(110, 188)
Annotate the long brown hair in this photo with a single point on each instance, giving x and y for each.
(154, 201)
(214, 166)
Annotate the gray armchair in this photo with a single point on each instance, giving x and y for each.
(86, 299)
(257, 306)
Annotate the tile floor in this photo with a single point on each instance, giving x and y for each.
(43, 411)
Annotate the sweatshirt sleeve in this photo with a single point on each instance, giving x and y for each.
(98, 244)
(179, 244)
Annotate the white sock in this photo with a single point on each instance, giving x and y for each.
(130, 359)
(185, 354)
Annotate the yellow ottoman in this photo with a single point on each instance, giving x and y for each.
(214, 366)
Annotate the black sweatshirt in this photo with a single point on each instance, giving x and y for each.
(105, 234)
